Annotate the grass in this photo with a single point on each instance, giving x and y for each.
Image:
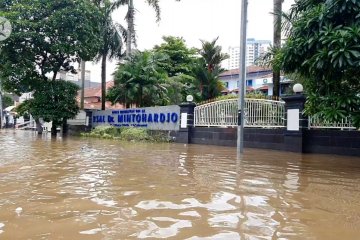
(128, 134)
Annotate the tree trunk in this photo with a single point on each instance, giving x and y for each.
(39, 127)
(82, 84)
(103, 81)
(53, 128)
(65, 127)
(141, 97)
(277, 44)
(130, 23)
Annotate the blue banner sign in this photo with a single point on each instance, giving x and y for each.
(154, 118)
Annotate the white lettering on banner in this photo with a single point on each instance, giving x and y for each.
(154, 118)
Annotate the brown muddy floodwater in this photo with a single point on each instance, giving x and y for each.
(97, 189)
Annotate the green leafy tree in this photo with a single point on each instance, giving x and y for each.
(48, 36)
(323, 47)
(7, 101)
(140, 81)
(179, 67)
(54, 101)
(179, 86)
(180, 57)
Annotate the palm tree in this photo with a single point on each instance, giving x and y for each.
(277, 43)
(212, 54)
(130, 18)
(140, 81)
(208, 69)
(112, 42)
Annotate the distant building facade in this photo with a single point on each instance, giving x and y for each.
(25, 96)
(76, 78)
(258, 79)
(254, 50)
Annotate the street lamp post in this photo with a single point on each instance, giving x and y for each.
(242, 76)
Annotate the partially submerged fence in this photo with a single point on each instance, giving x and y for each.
(257, 113)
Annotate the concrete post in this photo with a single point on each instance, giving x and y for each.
(186, 122)
(296, 122)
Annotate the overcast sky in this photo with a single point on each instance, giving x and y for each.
(194, 20)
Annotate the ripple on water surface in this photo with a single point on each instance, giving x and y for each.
(86, 188)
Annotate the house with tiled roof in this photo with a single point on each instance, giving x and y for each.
(92, 98)
(257, 79)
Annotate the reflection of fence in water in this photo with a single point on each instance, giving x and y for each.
(258, 113)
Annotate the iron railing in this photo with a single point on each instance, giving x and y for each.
(224, 113)
(316, 123)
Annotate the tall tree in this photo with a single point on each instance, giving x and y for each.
(48, 36)
(140, 81)
(112, 41)
(277, 44)
(179, 67)
(130, 18)
(208, 69)
(180, 57)
(54, 101)
(212, 54)
(323, 47)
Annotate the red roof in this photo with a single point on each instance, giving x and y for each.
(96, 91)
(93, 98)
(265, 87)
(108, 105)
(92, 92)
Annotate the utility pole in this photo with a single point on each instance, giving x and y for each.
(242, 77)
(82, 84)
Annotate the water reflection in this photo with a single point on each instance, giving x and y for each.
(85, 188)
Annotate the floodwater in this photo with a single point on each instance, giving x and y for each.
(78, 188)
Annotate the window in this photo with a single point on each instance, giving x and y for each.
(249, 83)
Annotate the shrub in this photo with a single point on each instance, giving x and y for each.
(134, 134)
(128, 134)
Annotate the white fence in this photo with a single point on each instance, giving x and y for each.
(224, 113)
(316, 123)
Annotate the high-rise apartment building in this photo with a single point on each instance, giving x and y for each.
(254, 49)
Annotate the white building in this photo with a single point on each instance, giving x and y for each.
(25, 96)
(68, 76)
(254, 49)
(258, 79)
